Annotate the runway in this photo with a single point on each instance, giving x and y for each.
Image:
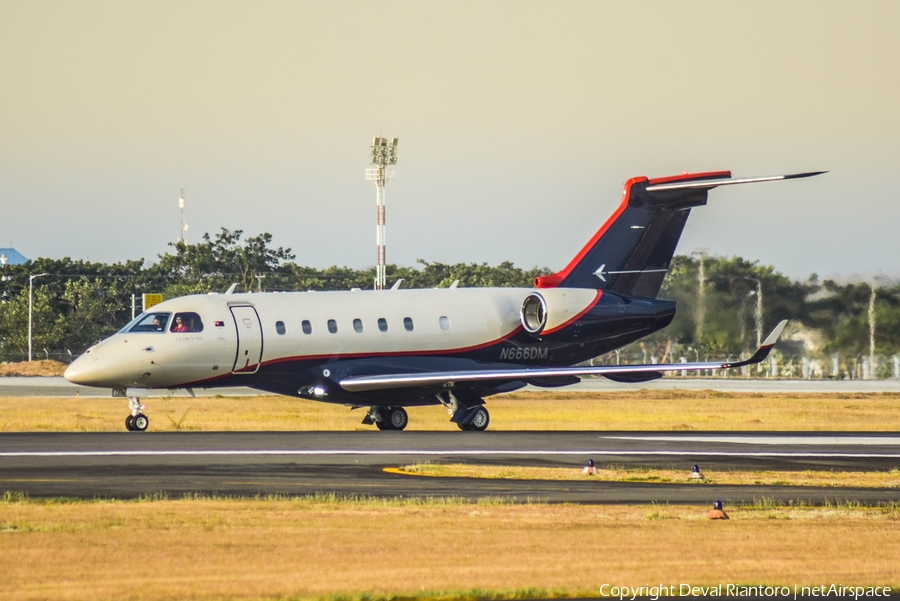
(128, 465)
(58, 387)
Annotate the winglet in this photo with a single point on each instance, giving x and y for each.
(775, 335)
(763, 351)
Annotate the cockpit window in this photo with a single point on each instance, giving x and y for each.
(151, 322)
(187, 322)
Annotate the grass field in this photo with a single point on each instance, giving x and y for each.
(368, 549)
(555, 410)
(882, 479)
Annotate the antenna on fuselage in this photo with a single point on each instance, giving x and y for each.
(231, 289)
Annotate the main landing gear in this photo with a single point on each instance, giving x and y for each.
(387, 418)
(478, 420)
(137, 421)
(469, 416)
(472, 416)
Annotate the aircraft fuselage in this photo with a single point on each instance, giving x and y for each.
(291, 342)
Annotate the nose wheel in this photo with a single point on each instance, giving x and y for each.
(137, 421)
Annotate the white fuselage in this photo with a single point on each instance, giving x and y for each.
(241, 332)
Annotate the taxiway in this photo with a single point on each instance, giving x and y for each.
(128, 465)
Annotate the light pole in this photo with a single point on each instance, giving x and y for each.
(759, 308)
(31, 279)
(872, 286)
(184, 227)
(384, 154)
(700, 309)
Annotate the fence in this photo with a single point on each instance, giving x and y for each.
(65, 356)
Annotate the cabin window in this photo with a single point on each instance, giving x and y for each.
(187, 322)
(279, 327)
(152, 322)
(307, 327)
(332, 326)
(382, 324)
(358, 326)
(408, 324)
(445, 322)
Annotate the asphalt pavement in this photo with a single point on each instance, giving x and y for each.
(131, 464)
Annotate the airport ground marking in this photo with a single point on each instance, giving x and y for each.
(447, 452)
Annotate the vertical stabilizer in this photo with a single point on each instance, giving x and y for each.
(630, 254)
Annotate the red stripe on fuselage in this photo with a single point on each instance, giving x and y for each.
(375, 355)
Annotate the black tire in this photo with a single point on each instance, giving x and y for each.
(140, 422)
(463, 427)
(397, 418)
(129, 423)
(381, 421)
(480, 420)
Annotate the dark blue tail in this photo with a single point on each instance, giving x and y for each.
(631, 253)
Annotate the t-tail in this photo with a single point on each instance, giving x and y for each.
(631, 252)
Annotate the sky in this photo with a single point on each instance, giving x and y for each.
(518, 124)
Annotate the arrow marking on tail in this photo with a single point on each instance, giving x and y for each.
(600, 271)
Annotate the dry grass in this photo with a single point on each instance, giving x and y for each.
(884, 479)
(268, 549)
(553, 410)
(32, 368)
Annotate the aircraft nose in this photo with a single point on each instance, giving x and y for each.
(80, 371)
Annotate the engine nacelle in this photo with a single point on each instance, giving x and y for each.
(552, 309)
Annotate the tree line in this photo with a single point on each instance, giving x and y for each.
(76, 303)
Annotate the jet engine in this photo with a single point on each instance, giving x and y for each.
(551, 309)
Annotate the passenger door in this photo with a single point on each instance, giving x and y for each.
(249, 340)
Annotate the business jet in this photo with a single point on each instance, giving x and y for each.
(453, 347)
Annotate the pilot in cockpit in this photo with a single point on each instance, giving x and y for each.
(181, 325)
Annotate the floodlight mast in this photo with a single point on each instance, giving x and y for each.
(184, 227)
(384, 153)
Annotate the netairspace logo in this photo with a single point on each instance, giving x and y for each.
(655, 592)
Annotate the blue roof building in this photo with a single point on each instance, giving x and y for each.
(10, 256)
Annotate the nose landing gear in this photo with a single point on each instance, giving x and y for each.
(137, 421)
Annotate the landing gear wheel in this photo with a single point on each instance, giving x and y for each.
(478, 422)
(397, 417)
(140, 422)
(393, 418)
(137, 421)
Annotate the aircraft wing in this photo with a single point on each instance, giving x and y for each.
(620, 373)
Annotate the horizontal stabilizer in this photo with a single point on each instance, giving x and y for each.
(619, 373)
(714, 183)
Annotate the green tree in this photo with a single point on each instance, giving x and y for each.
(214, 264)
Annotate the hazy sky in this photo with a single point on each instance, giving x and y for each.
(518, 123)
